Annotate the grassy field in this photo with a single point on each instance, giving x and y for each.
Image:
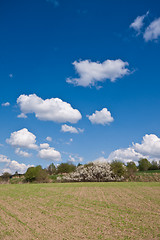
(80, 211)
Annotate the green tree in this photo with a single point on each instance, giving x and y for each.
(144, 164)
(6, 176)
(66, 168)
(131, 168)
(118, 168)
(36, 174)
(154, 166)
(51, 169)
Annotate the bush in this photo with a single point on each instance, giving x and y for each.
(144, 164)
(36, 174)
(118, 168)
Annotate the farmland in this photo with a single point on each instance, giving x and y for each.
(67, 211)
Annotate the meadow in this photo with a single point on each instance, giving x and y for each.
(66, 211)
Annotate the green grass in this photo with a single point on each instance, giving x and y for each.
(149, 172)
(108, 211)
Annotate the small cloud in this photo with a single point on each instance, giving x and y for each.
(49, 139)
(101, 117)
(11, 75)
(19, 152)
(22, 139)
(6, 104)
(44, 145)
(92, 73)
(152, 32)
(66, 128)
(22, 115)
(49, 154)
(138, 23)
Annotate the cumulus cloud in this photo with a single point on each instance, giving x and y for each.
(19, 152)
(101, 117)
(149, 148)
(138, 22)
(53, 109)
(49, 139)
(49, 154)
(152, 32)
(100, 160)
(125, 155)
(150, 145)
(4, 159)
(19, 167)
(6, 104)
(66, 128)
(13, 166)
(93, 72)
(23, 139)
(44, 145)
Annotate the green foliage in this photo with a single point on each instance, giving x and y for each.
(88, 164)
(51, 169)
(144, 164)
(36, 174)
(131, 168)
(66, 168)
(118, 168)
(154, 166)
(5, 176)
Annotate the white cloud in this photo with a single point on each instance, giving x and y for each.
(23, 139)
(152, 32)
(75, 158)
(101, 117)
(6, 104)
(19, 152)
(101, 160)
(19, 167)
(44, 145)
(22, 115)
(125, 155)
(13, 166)
(93, 72)
(66, 128)
(138, 22)
(50, 154)
(4, 159)
(53, 109)
(150, 146)
(49, 139)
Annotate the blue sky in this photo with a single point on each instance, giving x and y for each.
(100, 59)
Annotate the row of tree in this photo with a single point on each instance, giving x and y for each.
(38, 174)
